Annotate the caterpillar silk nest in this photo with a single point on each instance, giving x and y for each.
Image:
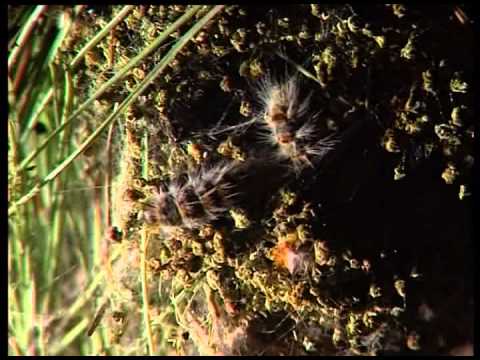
(192, 200)
(290, 123)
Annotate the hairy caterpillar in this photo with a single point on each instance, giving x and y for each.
(289, 123)
(193, 200)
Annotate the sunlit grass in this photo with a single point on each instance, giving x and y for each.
(56, 213)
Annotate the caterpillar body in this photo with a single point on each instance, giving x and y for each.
(289, 123)
(193, 200)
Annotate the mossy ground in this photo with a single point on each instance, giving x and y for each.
(383, 222)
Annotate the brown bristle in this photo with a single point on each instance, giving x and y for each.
(132, 195)
(162, 209)
(151, 214)
(168, 213)
(212, 198)
(189, 204)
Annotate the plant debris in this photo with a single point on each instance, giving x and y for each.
(318, 257)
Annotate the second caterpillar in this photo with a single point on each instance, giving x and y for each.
(194, 199)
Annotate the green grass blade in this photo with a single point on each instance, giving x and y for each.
(69, 337)
(39, 108)
(119, 75)
(25, 34)
(129, 100)
(97, 38)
